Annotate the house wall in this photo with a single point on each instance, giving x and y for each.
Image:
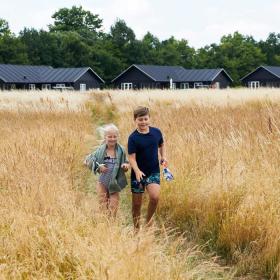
(223, 79)
(137, 78)
(89, 79)
(265, 78)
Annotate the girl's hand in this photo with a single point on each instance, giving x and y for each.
(125, 166)
(102, 168)
(139, 175)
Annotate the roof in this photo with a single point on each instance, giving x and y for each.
(41, 74)
(160, 73)
(203, 75)
(274, 70)
(22, 73)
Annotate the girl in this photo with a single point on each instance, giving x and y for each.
(109, 160)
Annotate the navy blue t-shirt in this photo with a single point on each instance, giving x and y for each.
(145, 146)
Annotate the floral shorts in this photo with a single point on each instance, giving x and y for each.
(139, 187)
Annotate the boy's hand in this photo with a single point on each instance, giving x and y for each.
(139, 175)
(164, 162)
(125, 166)
(102, 168)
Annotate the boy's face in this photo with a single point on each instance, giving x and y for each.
(142, 122)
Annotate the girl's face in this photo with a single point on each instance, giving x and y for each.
(111, 138)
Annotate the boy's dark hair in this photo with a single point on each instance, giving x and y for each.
(141, 111)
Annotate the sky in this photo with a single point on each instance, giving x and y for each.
(200, 22)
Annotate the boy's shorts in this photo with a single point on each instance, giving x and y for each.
(139, 187)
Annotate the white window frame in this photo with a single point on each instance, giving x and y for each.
(83, 87)
(184, 85)
(32, 86)
(254, 84)
(173, 85)
(126, 86)
(60, 85)
(217, 85)
(197, 85)
(46, 86)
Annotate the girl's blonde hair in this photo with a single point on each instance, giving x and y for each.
(104, 129)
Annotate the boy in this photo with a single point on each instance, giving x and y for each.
(144, 145)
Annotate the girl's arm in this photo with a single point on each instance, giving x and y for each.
(91, 162)
(138, 173)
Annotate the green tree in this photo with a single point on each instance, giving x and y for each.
(121, 34)
(240, 55)
(124, 45)
(150, 46)
(236, 53)
(76, 19)
(4, 27)
(176, 52)
(12, 50)
(271, 48)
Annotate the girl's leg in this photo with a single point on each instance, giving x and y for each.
(103, 196)
(153, 191)
(114, 204)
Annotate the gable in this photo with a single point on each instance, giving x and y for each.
(222, 77)
(260, 74)
(88, 76)
(133, 75)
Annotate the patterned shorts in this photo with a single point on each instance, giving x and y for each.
(139, 187)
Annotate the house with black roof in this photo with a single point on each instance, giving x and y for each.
(46, 77)
(172, 77)
(263, 76)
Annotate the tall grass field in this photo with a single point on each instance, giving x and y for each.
(219, 218)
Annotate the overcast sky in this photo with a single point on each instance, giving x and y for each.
(200, 22)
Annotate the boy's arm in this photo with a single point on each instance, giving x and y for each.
(162, 153)
(138, 173)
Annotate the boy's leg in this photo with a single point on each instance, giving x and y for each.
(114, 204)
(136, 209)
(153, 191)
(102, 195)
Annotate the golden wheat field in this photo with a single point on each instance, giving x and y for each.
(219, 218)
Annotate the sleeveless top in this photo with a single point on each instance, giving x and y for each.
(105, 178)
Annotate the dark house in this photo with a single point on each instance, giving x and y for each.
(263, 76)
(161, 77)
(46, 77)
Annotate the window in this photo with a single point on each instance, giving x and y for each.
(184, 85)
(198, 85)
(126, 86)
(46, 86)
(60, 85)
(173, 85)
(32, 86)
(254, 84)
(83, 87)
(217, 85)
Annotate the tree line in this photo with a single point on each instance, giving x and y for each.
(76, 39)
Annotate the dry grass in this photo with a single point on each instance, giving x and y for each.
(204, 97)
(225, 157)
(50, 227)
